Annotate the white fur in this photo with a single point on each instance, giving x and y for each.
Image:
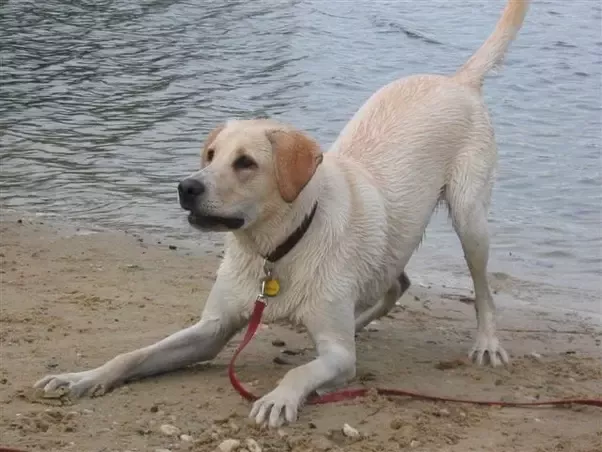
(416, 142)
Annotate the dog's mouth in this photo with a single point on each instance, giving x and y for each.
(215, 223)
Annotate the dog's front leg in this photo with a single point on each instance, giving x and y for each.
(333, 334)
(197, 343)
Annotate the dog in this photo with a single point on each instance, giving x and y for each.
(331, 233)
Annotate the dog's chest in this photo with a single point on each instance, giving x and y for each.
(295, 293)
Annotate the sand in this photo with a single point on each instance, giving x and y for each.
(72, 301)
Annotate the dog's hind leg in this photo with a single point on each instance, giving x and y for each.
(385, 304)
(468, 195)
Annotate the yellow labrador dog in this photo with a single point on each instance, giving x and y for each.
(334, 229)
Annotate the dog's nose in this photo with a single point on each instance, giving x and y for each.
(188, 190)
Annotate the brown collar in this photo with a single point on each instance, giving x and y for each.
(283, 249)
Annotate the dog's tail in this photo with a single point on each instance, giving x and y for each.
(491, 54)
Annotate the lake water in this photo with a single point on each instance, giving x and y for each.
(104, 105)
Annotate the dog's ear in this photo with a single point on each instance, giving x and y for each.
(212, 136)
(296, 158)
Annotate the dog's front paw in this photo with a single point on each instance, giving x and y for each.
(487, 349)
(276, 408)
(76, 384)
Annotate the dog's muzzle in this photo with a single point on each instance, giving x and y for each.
(189, 192)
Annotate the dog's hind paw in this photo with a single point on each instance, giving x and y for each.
(487, 350)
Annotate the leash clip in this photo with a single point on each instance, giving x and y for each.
(268, 268)
(267, 272)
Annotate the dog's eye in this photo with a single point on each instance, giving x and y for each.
(244, 162)
(210, 154)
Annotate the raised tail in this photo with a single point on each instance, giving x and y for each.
(491, 54)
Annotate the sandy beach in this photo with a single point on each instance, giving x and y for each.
(71, 301)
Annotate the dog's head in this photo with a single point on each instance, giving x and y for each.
(248, 169)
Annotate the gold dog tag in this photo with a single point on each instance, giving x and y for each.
(271, 287)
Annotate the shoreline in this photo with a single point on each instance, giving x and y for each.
(561, 298)
(72, 300)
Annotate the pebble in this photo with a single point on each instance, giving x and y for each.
(396, 423)
(373, 326)
(229, 445)
(252, 445)
(234, 428)
(169, 430)
(414, 443)
(278, 343)
(349, 431)
(186, 438)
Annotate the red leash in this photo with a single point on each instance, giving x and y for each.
(347, 394)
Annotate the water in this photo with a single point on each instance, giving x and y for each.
(104, 105)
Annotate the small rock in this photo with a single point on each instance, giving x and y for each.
(173, 247)
(536, 356)
(252, 445)
(372, 327)
(396, 423)
(278, 343)
(154, 408)
(229, 445)
(282, 433)
(281, 361)
(234, 428)
(349, 431)
(443, 412)
(414, 443)
(169, 430)
(186, 438)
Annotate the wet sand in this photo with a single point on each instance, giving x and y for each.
(71, 301)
